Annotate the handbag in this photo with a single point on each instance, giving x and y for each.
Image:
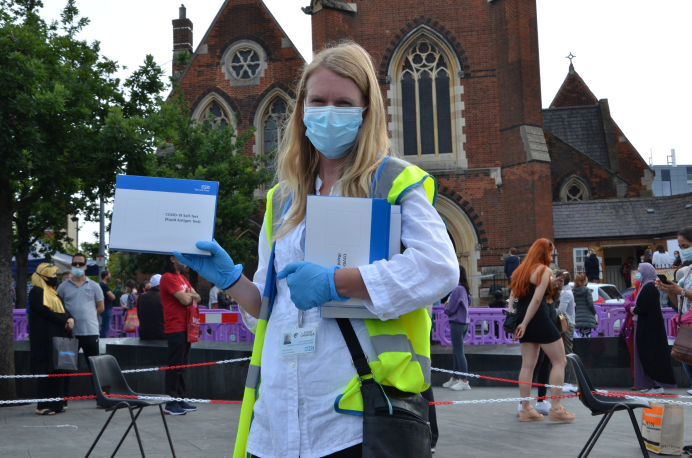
(682, 348)
(65, 354)
(131, 321)
(193, 322)
(510, 325)
(562, 322)
(395, 423)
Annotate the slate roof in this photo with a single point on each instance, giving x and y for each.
(582, 128)
(622, 217)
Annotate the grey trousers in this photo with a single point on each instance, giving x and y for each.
(569, 372)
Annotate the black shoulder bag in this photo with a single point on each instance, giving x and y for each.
(395, 423)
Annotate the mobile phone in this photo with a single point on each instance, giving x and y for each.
(664, 279)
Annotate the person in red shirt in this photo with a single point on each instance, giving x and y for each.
(176, 295)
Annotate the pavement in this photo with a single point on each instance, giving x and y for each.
(469, 431)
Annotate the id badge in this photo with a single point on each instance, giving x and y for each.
(298, 341)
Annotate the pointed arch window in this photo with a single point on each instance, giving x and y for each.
(272, 128)
(574, 190)
(425, 101)
(220, 117)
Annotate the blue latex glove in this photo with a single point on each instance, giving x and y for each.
(218, 268)
(310, 284)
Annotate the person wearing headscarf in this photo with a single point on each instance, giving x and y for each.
(627, 329)
(48, 319)
(653, 370)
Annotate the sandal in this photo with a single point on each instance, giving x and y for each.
(45, 412)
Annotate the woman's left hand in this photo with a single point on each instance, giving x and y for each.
(310, 285)
(70, 324)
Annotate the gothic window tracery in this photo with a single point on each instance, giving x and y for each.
(272, 125)
(425, 101)
(574, 190)
(220, 117)
(245, 64)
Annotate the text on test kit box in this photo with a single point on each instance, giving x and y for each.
(162, 215)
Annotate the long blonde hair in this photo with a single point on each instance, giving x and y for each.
(298, 161)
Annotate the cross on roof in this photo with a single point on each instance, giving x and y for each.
(570, 57)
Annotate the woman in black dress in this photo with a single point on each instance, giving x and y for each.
(532, 285)
(48, 319)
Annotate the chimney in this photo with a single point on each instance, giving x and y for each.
(182, 41)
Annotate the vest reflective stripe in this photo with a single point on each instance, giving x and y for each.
(402, 345)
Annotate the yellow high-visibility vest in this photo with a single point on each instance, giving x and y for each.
(402, 345)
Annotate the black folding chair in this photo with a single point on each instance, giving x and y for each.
(105, 372)
(604, 405)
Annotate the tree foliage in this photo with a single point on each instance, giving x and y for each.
(68, 126)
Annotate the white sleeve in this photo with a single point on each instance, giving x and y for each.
(264, 252)
(424, 273)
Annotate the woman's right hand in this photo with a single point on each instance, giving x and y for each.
(218, 268)
(70, 324)
(519, 333)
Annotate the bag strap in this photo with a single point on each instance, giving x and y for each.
(358, 357)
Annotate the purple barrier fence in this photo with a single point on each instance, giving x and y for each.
(19, 324)
(485, 327)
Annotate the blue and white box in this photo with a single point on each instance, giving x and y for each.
(350, 232)
(160, 215)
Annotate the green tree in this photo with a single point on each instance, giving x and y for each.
(207, 151)
(67, 128)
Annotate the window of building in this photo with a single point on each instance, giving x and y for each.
(580, 255)
(425, 100)
(272, 125)
(689, 179)
(667, 189)
(219, 114)
(244, 63)
(574, 190)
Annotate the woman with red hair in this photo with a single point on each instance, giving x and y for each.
(532, 286)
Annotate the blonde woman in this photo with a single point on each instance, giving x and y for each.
(335, 143)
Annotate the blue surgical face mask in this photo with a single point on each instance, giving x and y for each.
(77, 272)
(333, 130)
(638, 276)
(686, 254)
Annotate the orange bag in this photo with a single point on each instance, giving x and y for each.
(193, 322)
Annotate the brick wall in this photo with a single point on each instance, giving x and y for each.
(496, 45)
(241, 20)
(568, 162)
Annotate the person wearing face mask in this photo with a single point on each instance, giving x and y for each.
(48, 319)
(335, 143)
(83, 299)
(176, 296)
(680, 294)
(653, 370)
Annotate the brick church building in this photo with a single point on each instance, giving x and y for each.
(462, 87)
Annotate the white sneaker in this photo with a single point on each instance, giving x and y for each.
(542, 407)
(449, 383)
(519, 409)
(653, 391)
(689, 391)
(461, 386)
(569, 388)
(432, 450)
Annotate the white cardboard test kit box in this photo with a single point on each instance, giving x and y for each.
(160, 215)
(350, 232)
